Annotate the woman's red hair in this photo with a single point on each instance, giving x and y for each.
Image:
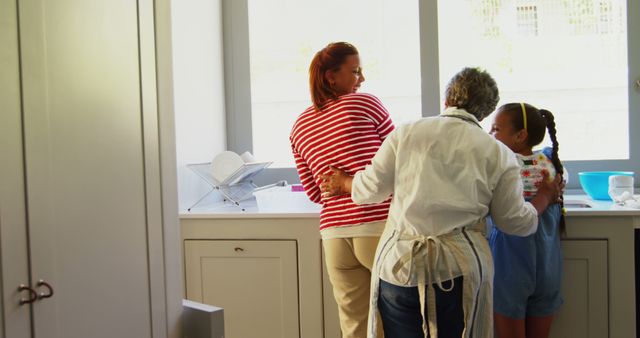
(330, 57)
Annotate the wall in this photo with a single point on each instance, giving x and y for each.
(199, 91)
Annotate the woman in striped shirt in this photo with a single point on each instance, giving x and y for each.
(342, 128)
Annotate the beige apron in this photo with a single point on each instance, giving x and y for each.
(427, 258)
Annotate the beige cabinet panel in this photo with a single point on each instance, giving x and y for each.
(598, 280)
(584, 288)
(255, 282)
(84, 164)
(14, 255)
(84, 204)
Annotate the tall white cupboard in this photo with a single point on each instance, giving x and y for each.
(88, 218)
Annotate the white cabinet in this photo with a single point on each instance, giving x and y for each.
(83, 205)
(255, 282)
(598, 282)
(266, 272)
(585, 291)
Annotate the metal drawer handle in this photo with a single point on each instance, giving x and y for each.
(33, 295)
(43, 295)
(238, 249)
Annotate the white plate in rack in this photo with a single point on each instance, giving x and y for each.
(225, 164)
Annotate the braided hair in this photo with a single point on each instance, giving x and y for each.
(538, 121)
(551, 126)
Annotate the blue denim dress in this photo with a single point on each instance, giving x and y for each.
(528, 270)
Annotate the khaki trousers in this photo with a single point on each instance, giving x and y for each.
(349, 262)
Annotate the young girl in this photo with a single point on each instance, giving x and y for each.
(528, 269)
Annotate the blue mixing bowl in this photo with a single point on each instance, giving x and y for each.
(596, 183)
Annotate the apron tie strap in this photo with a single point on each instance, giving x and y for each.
(426, 255)
(428, 274)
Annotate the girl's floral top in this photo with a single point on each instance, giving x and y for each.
(532, 168)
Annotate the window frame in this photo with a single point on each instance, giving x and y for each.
(237, 80)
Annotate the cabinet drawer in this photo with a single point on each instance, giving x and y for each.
(254, 281)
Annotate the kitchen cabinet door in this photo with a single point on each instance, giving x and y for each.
(14, 256)
(85, 173)
(584, 313)
(80, 197)
(254, 281)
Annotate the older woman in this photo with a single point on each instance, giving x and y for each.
(433, 270)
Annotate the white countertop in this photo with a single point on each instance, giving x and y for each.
(596, 208)
(248, 209)
(229, 210)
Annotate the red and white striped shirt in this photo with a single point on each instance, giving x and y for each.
(345, 134)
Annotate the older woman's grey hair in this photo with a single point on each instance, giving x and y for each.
(473, 90)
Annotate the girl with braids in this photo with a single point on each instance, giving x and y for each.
(528, 269)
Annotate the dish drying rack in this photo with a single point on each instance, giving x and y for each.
(238, 186)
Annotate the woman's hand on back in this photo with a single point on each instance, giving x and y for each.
(549, 192)
(336, 183)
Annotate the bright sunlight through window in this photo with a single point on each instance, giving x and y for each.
(567, 56)
(284, 35)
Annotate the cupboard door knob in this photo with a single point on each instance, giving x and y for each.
(238, 249)
(637, 83)
(33, 295)
(43, 295)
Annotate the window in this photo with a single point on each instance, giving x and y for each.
(578, 58)
(548, 53)
(284, 35)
